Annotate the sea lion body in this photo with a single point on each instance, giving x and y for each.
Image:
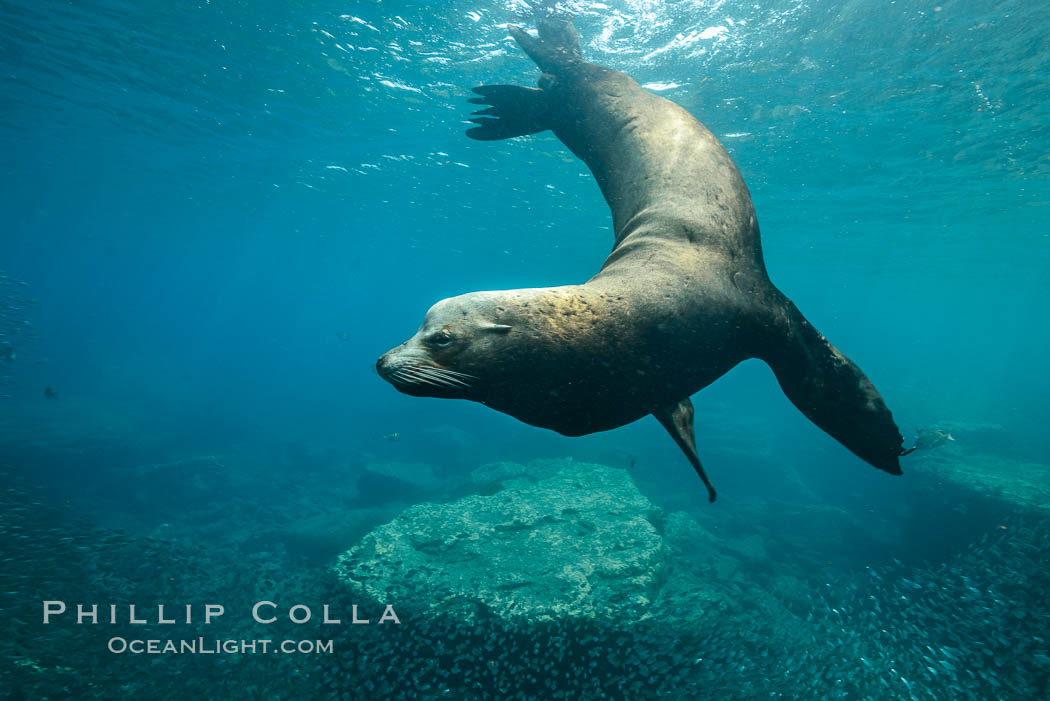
(682, 298)
(571, 361)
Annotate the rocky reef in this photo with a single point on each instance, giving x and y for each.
(560, 579)
(552, 579)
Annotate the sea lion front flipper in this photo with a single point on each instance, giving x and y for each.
(515, 111)
(678, 420)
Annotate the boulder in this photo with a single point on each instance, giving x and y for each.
(548, 541)
(421, 476)
(1021, 483)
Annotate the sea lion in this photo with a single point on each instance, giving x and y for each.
(683, 297)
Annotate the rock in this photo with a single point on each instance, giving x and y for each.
(419, 475)
(749, 548)
(561, 540)
(696, 583)
(320, 537)
(1021, 483)
(404, 482)
(693, 545)
(490, 478)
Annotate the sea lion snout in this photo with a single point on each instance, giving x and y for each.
(383, 364)
(411, 370)
(393, 364)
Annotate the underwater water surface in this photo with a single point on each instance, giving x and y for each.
(218, 214)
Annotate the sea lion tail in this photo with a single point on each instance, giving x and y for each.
(835, 394)
(556, 48)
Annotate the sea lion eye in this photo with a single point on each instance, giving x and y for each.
(439, 338)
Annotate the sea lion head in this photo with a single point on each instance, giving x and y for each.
(452, 353)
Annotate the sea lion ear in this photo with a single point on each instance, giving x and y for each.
(498, 328)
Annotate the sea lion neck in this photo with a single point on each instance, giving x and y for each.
(558, 318)
(659, 169)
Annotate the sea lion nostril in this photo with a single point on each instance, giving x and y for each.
(382, 364)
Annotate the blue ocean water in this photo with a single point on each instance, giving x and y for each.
(217, 215)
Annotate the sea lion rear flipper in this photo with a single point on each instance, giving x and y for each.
(515, 111)
(678, 420)
(557, 47)
(834, 393)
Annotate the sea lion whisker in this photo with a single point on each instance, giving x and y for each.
(442, 370)
(456, 373)
(446, 375)
(435, 378)
(437, 374)
(401, 377)
(415, 374)
(433, 370)
(415, 378)
(409, 377)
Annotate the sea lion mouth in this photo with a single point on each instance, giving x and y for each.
(424, 378)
